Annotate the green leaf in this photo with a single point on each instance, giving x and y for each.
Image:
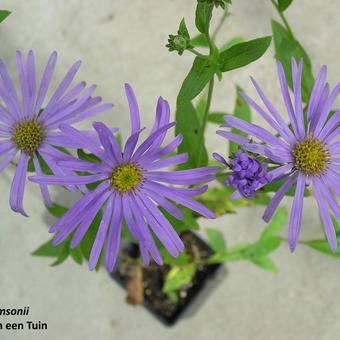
(265, 262)
(183, 31)
(216, 240)
(284, 4)
(77, 255)
(323, 247)
(287, 47)
(202, 71)
(57, 210)
(200, 109)
(189, 126)
(279, 220)
(181, 260)
(4, 14)
(89, 157)
(242, 111)
(48, 250)
(178, 277)
(203, 16)
(263, 247)
(199, 41)
(217, 117)
(231, 43)
(244, 53)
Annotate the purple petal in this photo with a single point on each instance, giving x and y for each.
(45, 81)
(165, 204)
(134, 110)
(157, 229)
(326, 219)
(170, 161)
(279, 125)
(329, 197)
(101, 234)
(43, 187)
(175, 196)
(297, 77)
(7, 159)
(316, 92)
(89, 216)
(332, 124)
(233, 137)
(296, 213)
(18, 185)
(67, 180)
(113, 240)
(220, 159)
(277, 198)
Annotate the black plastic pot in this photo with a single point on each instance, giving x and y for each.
(155, 300)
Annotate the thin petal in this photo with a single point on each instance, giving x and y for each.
(43, 187)
(296, 212)
(18, 185)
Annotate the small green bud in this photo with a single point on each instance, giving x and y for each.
(181, 41)
(178, 43)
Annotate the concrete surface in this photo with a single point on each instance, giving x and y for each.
(123, 41)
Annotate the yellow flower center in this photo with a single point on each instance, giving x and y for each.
(310, 156)
(126, 177)
(28, 136)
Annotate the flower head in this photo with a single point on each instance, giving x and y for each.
(132, 188)
(247, 173)
(307, 152)
(28, 129)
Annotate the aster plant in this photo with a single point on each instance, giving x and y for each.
(150, 194)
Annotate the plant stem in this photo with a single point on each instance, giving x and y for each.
(198, 53)
(205, 118)
(283, 18)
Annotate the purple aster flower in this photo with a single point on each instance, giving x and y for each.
(28, 129)
(132, 188)
(247, 173)
(307, 151)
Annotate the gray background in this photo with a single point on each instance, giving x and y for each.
(123, 41)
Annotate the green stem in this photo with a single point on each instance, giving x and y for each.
(205, 118)
(198, 53)
(283, 18)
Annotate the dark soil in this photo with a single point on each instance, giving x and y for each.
(153, 276)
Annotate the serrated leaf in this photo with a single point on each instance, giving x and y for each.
(242, 111)
(284, 4)
(216, 240)
(244, 53)
(265, 262)
(4, 14)
(203, 16)
(178, 277)
(279, 220)
(287, 47)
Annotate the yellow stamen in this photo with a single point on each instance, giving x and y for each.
(310, 156)
(126, 177)
(28, 136)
